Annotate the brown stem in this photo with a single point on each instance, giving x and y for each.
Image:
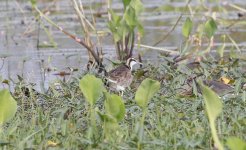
(78, 40)
(118, 49)
(82, 42)
(126, 43)
(168, 33)
(132, 45)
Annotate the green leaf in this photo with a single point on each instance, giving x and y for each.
(106, 118)
(146, 91)
(213, 103)
(8, 106)
(187, 27)
(210, 28)
(235, 143)
(115, 18)
(213, 109)
(114, 106)
(221, 49)
(91, 87)
(130, 17)
(140, 30)
(126, 3)
(33, 2)
(137, 5)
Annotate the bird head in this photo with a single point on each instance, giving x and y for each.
(131, 62)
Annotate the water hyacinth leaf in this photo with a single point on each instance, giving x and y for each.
(115, 19)
(235, 143)
(91, 87)
(146, 91)
(213, 107)
(106, 117)
(126, 3)
(33, 2)
(213, 103)
(210, 28)
(8, 106)
(137, 5)
(130, 17)
(140, 30)
(187, 27)
(114, 106)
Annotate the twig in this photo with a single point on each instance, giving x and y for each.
(168, 33)
(238, 8)
(126, 43)
(109, 7)
(118, 49)
(78, 40)
(132, 45)
(157, 48)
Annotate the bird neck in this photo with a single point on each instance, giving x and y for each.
(128, 66)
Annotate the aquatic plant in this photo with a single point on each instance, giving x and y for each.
(92, 88)
(123, 27)
(114, 114)
(213, 107)
(147, 89)
(8, 107)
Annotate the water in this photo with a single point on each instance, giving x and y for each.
(20, 34)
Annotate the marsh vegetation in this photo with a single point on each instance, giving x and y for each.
(188, 94)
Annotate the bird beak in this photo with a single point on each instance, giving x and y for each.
(141, 64)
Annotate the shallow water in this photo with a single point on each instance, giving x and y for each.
(20, 34)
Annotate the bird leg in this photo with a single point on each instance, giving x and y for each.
(121, 93)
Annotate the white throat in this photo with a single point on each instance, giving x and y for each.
(132, 63)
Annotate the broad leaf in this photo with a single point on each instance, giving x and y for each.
(187, 27)
(213, 108)
(130, 17)
(137, 5)
(33, 2)
(235, 143)
(146, 91)
(8, 106)
(126, 3)
(115, 18)
(114, 106)
(210, 28)
(91, 87)
(212, 101)
(106, 117)
(140, 30)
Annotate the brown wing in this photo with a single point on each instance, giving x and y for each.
(119, 73)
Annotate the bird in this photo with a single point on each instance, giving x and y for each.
(121, 77)
(218, 87)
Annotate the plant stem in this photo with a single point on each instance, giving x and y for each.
(141, 130)
(80, 41)
(93, 121)
(132, 44)
(1, 129)
(168, 33)
(158, 48)
(215, 136)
